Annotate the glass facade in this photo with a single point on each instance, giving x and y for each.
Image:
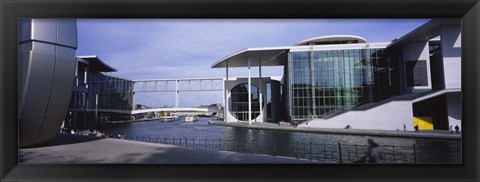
(324, 82)
(97, 97)
(114, 94)
(239, 103)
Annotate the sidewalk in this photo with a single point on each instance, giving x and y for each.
(436, 134)
(79, 149)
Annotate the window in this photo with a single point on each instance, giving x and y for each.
(239, 102)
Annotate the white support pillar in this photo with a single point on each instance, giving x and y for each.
(144, 86)
(225, 100)
(249, 94)
(76, 74)
(96, 108)
(133, 103)
(260, 90)
(133, 96)
(85, 78)
(177, 93)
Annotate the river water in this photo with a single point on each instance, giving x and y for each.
(313, 146)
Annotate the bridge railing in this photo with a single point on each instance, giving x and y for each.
(334, 152)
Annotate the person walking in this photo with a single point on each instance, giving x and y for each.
(373, 155)
(404, 127)
(451, 129)
(457, 129)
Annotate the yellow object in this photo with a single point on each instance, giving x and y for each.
(424, 123)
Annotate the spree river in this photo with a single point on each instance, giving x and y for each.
(314, 146)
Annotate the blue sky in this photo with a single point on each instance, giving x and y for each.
(186, 48)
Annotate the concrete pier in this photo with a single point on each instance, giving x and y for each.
(79, 149)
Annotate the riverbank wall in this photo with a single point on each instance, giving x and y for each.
(434, 134)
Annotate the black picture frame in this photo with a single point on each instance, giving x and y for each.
(10, 11)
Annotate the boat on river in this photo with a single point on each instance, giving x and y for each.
(169, 118)
(191, 118)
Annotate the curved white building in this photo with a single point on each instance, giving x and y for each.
(338, 80)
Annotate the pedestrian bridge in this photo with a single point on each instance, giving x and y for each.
(175, 110)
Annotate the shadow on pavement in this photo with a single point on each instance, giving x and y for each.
(65, 139)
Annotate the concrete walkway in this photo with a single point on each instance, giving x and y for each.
(436, 134)
(67, 148)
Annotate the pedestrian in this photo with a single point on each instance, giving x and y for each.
(404, 127)
(373, 155)
(451, 129)
(457, 129)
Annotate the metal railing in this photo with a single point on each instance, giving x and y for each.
(337, 152)
(343, 153)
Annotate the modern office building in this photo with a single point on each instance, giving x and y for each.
(343, 80)
(97, 97)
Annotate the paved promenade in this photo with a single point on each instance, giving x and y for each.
(437, 134)
(67, 148)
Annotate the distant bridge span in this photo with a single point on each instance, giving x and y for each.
(199, 110)
(178, 85)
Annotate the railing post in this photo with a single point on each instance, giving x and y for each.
(325, 151)
(414, 154)
(356, 152)
(274, 147)
(393, 149)
(297, 149)
(310, 151)
(340, 151)
(305, 150)
(254, 146)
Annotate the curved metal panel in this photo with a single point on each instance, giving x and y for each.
(46, 76)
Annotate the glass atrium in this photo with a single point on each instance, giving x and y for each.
(322, 83)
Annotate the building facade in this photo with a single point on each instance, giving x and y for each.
(97, 97)
(343, 80)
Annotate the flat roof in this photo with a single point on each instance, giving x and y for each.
(96, 64)
(268, 56)
(332, 38)
(278, 56)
